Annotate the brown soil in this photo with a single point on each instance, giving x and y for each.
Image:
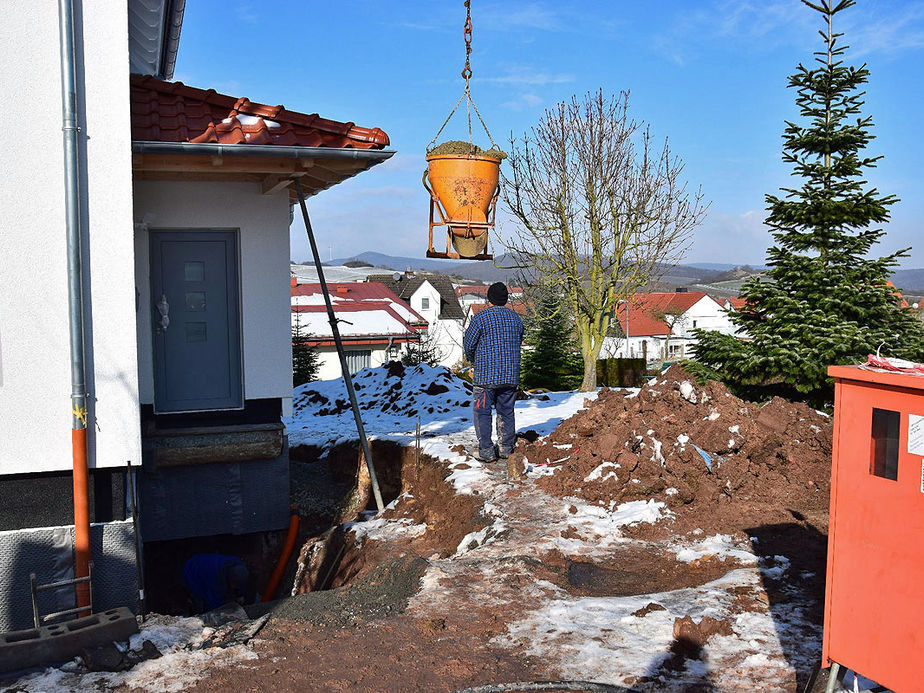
(768, 464)
(449, 517)
(638, 569)
(771, 484)
(400, 654)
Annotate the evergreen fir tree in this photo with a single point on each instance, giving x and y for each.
(550, 356)
(824, 300)
(305, 358)
(427, 350)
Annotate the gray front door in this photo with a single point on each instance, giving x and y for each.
(196, 321)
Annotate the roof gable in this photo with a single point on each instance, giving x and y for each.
(406, 286)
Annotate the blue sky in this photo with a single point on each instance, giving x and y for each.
(710, 75)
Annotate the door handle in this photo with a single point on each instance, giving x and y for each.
(163, 308)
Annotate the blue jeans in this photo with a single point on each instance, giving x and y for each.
(502, 399)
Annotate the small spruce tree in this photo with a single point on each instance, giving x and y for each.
(825, 300)
(426, 350)
(305, 358)
(550, 355)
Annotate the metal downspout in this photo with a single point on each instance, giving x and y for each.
(75, 302)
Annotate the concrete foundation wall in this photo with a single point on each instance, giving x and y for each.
(49, 553)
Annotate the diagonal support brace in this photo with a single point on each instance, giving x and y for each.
(347, 378)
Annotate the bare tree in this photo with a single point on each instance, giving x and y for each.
(671, 317)
(600, 211)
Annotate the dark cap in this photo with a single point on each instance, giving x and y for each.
(497, 294)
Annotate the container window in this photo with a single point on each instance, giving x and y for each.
(884, 453)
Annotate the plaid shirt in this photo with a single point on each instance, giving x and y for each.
(492, 343)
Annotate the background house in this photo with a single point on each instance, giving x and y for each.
(660, 325)
(432, 296)
(477, 294)
(375, 325)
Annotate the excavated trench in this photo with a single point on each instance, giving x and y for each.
(332, 494)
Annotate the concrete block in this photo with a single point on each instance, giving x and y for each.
(60, 642)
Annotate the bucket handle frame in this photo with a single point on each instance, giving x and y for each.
(469, 226)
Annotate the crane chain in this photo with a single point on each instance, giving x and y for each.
(467, 70)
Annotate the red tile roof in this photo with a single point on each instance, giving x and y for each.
(736, 302)
(360, 297)
(644, 311)
(173, 112)
(483, 290)
(518, 308)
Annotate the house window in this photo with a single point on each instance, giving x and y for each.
(884, 452)
(425, 303)
(357, 360)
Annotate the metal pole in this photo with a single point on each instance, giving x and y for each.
(343, 364)
(142, 604)
(75, 302)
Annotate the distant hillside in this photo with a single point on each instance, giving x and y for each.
(501, 270)
(909, 280)
(721, 266)
(392, 262)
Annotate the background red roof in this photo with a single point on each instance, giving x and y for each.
(173, 112)
(645, 308)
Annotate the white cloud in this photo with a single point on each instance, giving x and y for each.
(761, 25)
(527, 100)
(527, 75)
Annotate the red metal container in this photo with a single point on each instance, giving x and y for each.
(874, 597)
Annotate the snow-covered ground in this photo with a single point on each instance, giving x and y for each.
(595, 638)
(607, 639)
(186, 657)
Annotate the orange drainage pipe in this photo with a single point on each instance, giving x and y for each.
(273, 583)
(75, 301)
(81, 517)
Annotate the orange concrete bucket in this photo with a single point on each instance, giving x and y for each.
(466, 188)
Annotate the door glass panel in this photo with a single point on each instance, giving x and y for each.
(196, 332)
(884, 453)
(195, 301)
(194, 271)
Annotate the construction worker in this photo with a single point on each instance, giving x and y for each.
(214, 580)
(492, 343)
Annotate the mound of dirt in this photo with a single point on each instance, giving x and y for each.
(715, 460)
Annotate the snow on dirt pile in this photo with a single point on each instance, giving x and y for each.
(698, 448)
(390, 397)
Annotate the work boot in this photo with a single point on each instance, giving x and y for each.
(486, 459)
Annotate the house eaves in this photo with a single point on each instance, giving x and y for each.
(318, 168)
(154, 36)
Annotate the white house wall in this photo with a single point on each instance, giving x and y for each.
(263, 223)
(35, 404)
(329, 361)
(447, 335)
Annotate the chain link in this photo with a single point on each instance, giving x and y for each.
(467, 70)
(466, 94)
